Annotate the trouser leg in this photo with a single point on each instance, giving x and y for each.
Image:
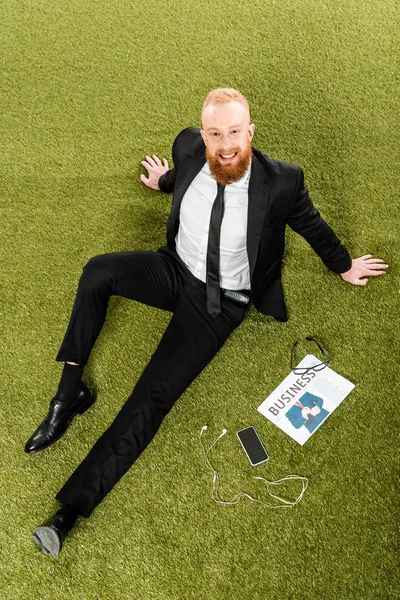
(191, 340)
(152, 278)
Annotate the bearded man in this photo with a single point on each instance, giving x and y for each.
(225, 243)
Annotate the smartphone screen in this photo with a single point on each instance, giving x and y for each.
(252, 445)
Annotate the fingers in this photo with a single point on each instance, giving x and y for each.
(374, 273)
(369, 259)
(357, 280)
(375, 268)
(376, 261)
(153, 162)
(150, 161)
(146, 165)
(368, 265)
(144, 179)
(372, 260)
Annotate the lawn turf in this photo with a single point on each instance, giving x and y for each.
(89, 88)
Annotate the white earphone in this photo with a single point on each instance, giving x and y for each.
(236, 498)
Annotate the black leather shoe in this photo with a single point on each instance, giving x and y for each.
(50, 535)
(60, 415)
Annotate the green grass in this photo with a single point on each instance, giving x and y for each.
(89, 89)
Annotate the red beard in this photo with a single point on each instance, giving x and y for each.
(226, 174)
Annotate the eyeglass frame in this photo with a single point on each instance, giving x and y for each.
(317, 367)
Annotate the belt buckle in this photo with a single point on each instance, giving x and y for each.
(237, 296)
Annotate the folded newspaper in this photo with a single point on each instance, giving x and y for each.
(301, 403)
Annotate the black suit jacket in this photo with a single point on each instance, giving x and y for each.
(277, 197)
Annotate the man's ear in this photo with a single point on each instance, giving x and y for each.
(203, 135)
(251, 131)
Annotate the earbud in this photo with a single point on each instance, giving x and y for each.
(215, 495)
(224, 431)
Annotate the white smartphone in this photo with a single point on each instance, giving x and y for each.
(253, 446)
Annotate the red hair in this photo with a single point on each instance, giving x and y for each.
(223, 96)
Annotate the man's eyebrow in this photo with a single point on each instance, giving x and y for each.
(230, 127)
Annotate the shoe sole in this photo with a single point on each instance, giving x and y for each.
(82, 409)
(48, 540)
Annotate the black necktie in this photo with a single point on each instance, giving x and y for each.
(214, 234)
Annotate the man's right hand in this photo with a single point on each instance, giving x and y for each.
(155, 168)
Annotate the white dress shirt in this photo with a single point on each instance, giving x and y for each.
(194, 220)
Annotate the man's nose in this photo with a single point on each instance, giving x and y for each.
(226, 142)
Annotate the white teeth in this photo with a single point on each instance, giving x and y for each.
(228, 155)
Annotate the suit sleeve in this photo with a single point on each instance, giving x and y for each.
(166, 183)
(295, 417)
(305, 219)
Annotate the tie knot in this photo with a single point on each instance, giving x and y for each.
(220, 187)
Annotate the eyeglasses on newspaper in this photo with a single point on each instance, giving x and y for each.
(317, 367)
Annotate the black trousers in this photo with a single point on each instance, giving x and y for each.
(191, 340)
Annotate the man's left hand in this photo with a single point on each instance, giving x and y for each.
(364, 267)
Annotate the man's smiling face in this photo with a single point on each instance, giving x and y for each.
(227, 134)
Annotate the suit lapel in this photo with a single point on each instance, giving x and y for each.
(188, 170)
(259, 191)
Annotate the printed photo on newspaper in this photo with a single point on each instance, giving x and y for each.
(301, 403)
